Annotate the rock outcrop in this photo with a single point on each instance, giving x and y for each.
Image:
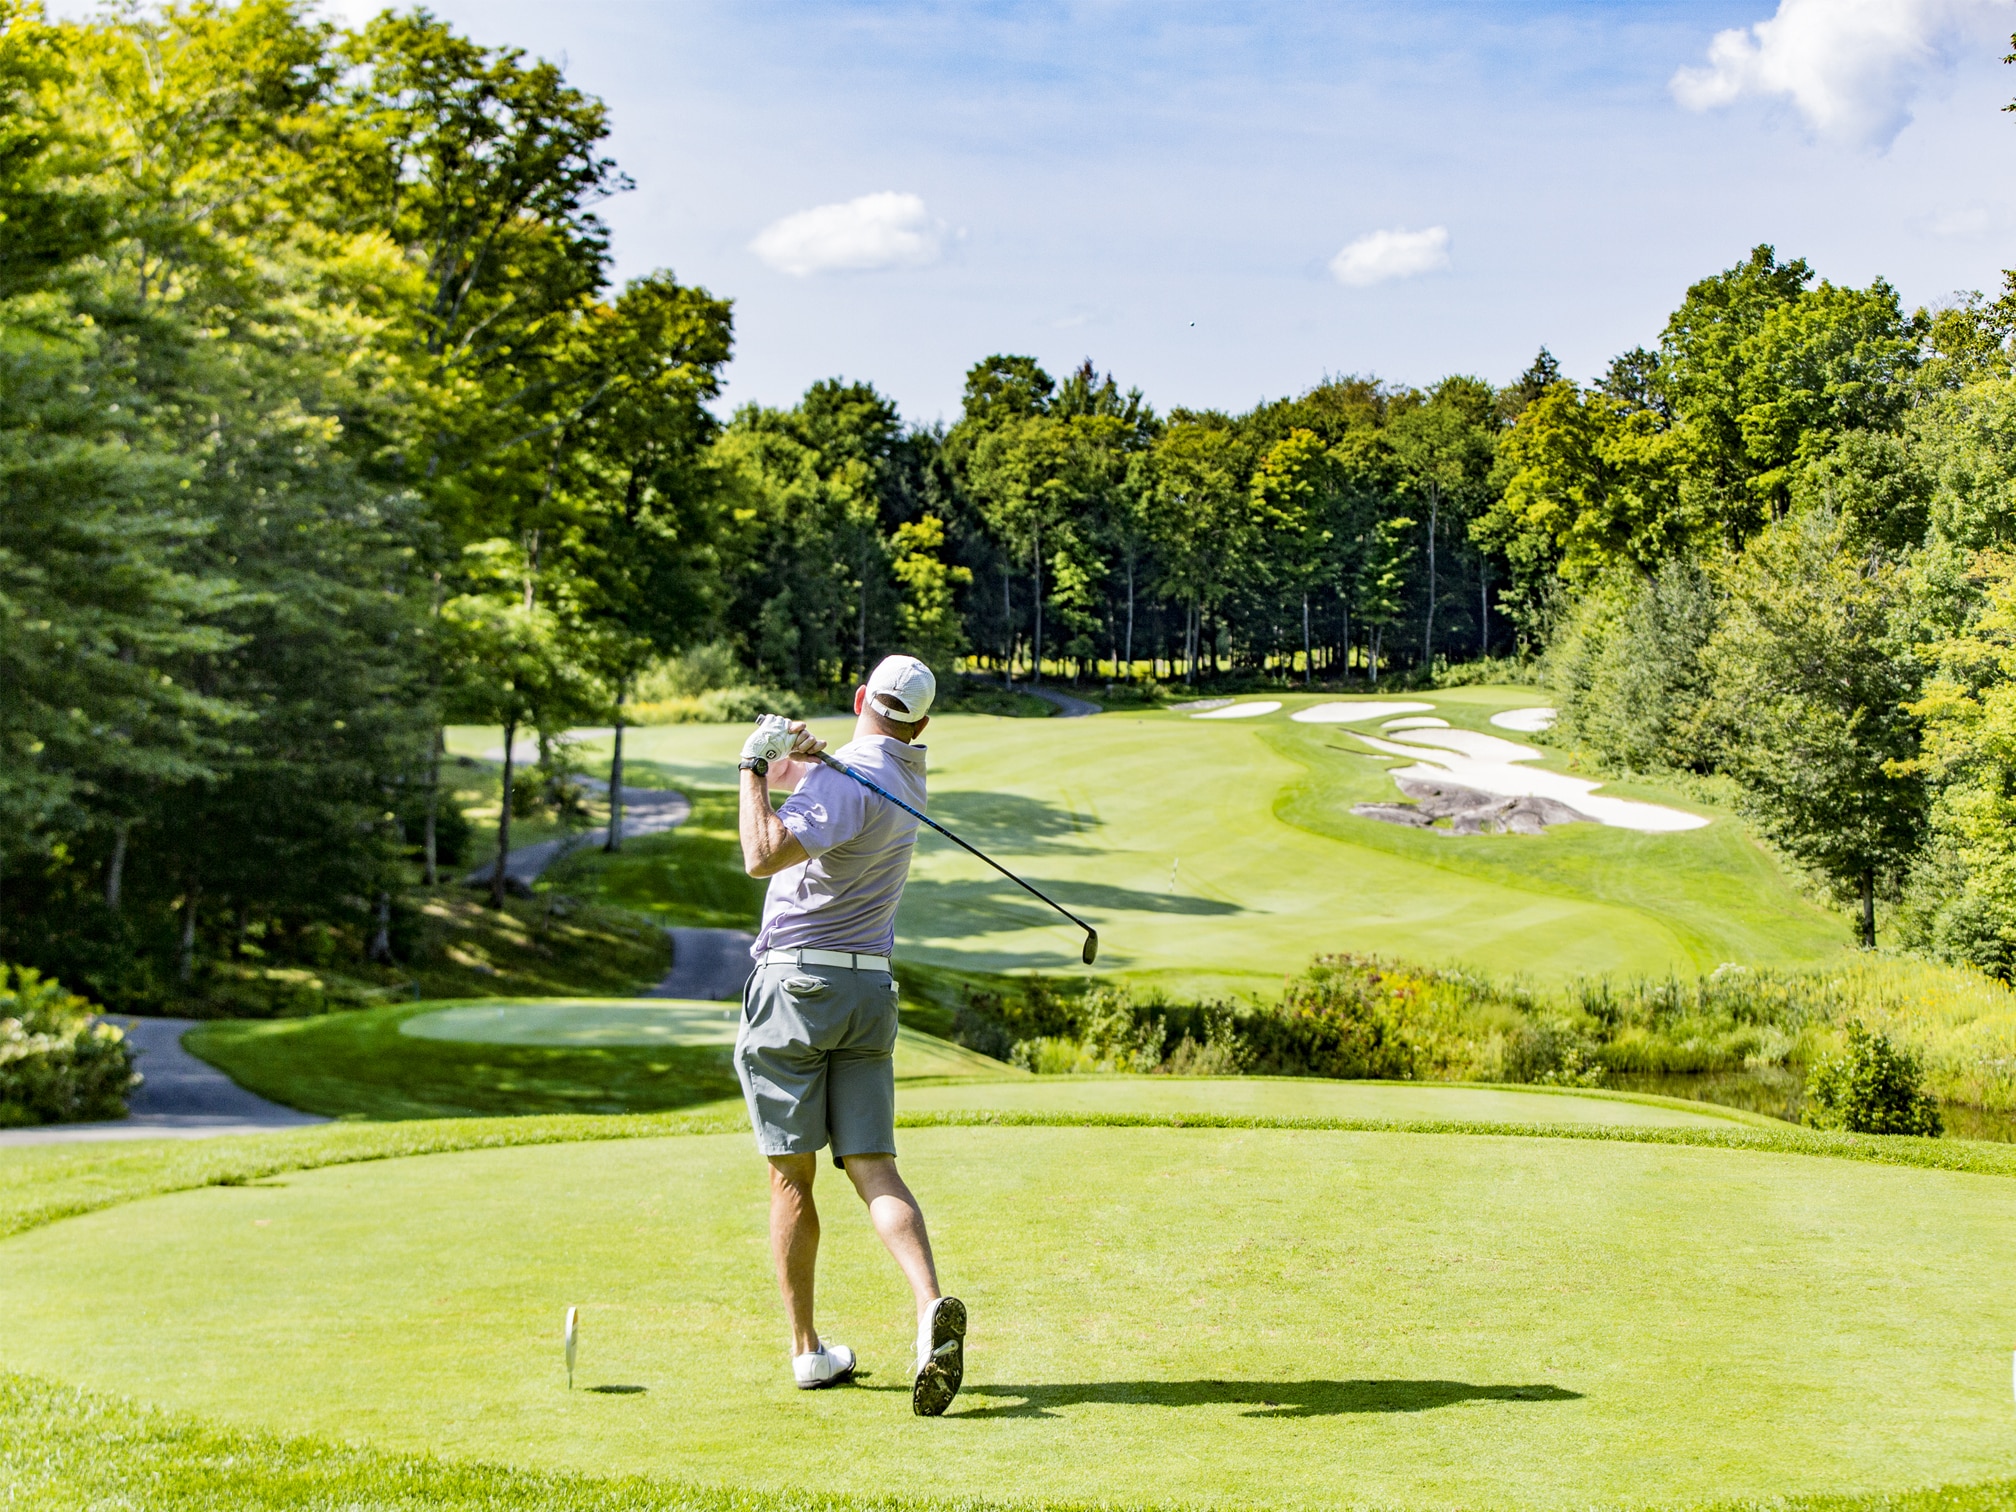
(1468, 811)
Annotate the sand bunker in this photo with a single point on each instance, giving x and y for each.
(1475, 772)
(1525, 721)
(1353, 713)
(1241, 711)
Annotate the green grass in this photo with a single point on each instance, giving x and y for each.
(60, 1447)
(361, 1064)
(1264, 1315)
(1269, 865)
(63, 1448)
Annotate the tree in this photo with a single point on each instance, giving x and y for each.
(930, 627)
(1811, 684)
(1198, 516)
(641, 500)
(1444, 449)
(1292, 491)
(479, 173)
(1586, 484)
(1968, 705)
(1763, 372)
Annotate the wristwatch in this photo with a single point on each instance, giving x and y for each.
(754, 764)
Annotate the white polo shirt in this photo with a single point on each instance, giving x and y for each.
(844, 897)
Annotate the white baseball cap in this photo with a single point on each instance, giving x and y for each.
(901, 688)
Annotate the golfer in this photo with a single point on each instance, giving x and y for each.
(816, 1050)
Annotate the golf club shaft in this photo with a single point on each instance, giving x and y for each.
(841, 766)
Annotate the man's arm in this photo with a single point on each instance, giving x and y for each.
(767, 847)
(787, 748)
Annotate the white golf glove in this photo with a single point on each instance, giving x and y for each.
(772, 739)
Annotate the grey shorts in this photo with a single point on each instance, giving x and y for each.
(816, 1054)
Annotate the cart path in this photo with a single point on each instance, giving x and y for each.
(182, 1097)
(646, 811)
(1068, 705)
(708, 964)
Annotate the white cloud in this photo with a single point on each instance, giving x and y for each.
(874, 232)
(1850, 67)
(1380, 255)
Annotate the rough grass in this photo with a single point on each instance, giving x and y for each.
(691, 875)
(531, 948)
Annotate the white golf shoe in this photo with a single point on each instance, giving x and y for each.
(941, 1358)
(826, 1366)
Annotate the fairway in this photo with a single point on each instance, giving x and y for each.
(1260, 1317)
(1222, 854)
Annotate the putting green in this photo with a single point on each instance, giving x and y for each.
(1307, 1097)
(506, 1056)
(1223, 854)
(641, 1023)
(1259, 1317)
(647, 1023)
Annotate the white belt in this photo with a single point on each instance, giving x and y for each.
(850, 959)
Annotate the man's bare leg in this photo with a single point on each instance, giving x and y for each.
(794, 1242)
(899, 1222)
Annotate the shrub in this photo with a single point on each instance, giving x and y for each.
(1339, 1020)
(1553, 1054)
(56, 1064)
(706, 685)
(1871, 1088)
(739, 705)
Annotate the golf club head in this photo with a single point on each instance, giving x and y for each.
(1091, 951)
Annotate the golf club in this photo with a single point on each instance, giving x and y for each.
(1091, 951)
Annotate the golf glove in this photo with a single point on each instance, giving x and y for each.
(771, 740)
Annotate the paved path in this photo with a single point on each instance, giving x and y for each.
(709, 964)
(1068, 705)
(646, 811)
(182, 1097)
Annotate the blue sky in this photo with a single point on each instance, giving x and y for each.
(1164, 187)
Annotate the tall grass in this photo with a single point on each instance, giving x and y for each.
(1357, 1016)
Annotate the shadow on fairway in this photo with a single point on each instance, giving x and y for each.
(1003, 900)
(1009, 821)
(1270, 1399)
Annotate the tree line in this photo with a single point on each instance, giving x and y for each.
(323, 425)
(1774, 552)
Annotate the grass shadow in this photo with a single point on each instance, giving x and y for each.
(1009, 821)
(1001, 899)
(1269, 1399)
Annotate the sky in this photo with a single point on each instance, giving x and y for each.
(1223, 202)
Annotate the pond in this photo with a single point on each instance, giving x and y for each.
(1780, 1093)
